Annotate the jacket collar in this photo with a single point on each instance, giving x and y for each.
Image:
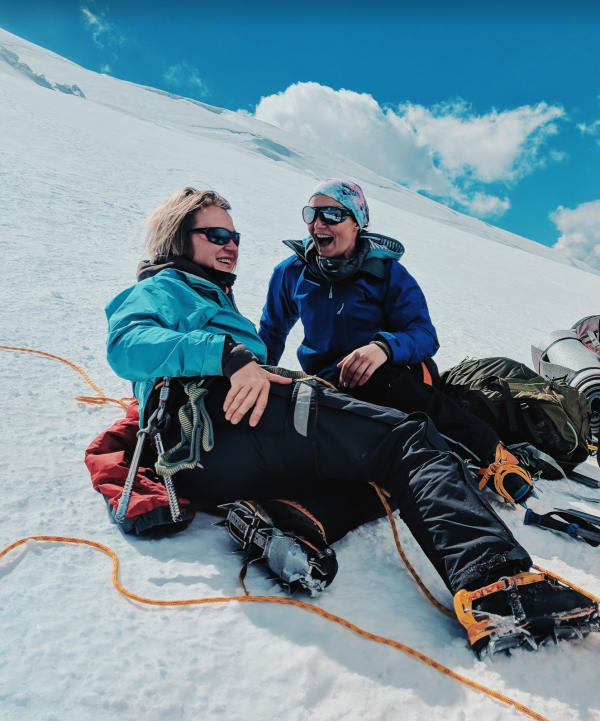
(220, 278)
(382, 248)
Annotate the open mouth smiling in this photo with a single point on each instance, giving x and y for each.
(323, 240)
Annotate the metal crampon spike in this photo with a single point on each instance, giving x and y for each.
(222, 522)
(577, 632)
(553, 635)
(529, 640)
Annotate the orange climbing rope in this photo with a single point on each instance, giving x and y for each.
(556, 577)
(285, 601)
(95, 400)
(382, 497)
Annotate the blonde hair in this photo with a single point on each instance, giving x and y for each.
(168, 224)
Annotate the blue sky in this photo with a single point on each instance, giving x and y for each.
(489, 107)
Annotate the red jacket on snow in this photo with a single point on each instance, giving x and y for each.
(108, 458)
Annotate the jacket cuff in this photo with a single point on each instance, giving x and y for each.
(235, 356)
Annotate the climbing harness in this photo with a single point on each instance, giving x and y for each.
(284, 600)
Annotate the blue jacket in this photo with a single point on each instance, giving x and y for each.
(381, 300)
(173, 324)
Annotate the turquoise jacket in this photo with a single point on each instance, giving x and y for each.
(173, 324)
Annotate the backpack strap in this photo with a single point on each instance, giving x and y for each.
(594, 341)
(550, 371)
(486, 401)
(530, 424)
(510, 405)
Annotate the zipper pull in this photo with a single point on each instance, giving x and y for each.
(330, 291)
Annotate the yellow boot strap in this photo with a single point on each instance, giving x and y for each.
(463, 600)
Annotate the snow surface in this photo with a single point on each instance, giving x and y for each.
(79, 175)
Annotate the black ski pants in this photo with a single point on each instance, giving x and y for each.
(321, 449)
(403, 388)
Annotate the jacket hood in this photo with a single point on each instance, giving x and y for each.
(148, 269)
(381, 248)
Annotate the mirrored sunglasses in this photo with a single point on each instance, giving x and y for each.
(218, 236)
(330, 215)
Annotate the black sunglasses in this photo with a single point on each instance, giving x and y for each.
(331, 215)
(218, 236)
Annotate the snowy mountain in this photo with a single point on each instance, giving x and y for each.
(83, 159)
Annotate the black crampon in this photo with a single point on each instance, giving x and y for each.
(296, 562)
(524, 610)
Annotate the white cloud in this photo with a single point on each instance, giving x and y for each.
(590, 129)
(185, 75)
(446, 150)
(558, 155)
(354, 124)
(498, 146)
(103, 32)
(105, 69)
(580, 230)
(486, 206)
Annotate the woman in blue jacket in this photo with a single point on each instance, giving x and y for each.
(366, 323)
(295, 461)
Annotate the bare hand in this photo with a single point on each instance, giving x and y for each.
(250, 387)
(360, 365)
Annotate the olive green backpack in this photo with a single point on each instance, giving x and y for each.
(522, 406)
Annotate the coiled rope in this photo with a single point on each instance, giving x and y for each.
(282, 600)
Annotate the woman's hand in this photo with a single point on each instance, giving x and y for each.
(360, 365)
(250, 387)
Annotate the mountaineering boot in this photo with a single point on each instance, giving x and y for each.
(524, 610)
(295, 550)
(507, 475)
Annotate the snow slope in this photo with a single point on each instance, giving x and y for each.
(79, 174)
